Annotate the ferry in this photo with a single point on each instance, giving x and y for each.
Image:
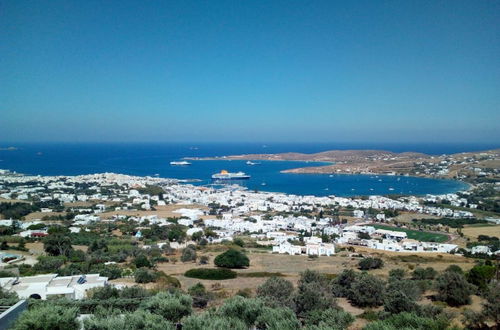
(181, 163)
(225, 175)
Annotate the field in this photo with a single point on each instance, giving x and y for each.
(417, 235)
(473, 231)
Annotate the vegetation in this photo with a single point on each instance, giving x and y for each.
(232, 258)
(370, 263)
(211, 273)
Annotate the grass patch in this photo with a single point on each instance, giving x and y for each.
(261, 274)
(211, 273)
(416, 234)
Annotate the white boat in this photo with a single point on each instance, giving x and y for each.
(225, 175)
(181, 163)
(252, 163)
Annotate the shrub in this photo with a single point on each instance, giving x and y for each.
(170, 306)
(204, 260)
(48, 317)
(366, 291)
(453, 288)
(238, 241)
(211, 273)
(428, 273)
(232, 259)
(278, 319)
(276, 292)
(330, 319)
(141, 261)
(188, 254)
(144, 275)
(370, 263)
(341, 285)
(129, 321)
(106, 292)
(134, 292)
(247, 310)
(206, 321)
(492, 305)
(200, 295)
(396, 274)
(408, 321)
(401, 296)
(313, 293)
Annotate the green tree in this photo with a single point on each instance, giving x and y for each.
(370, 263)
(277, 319)
(276, 292)
(366, 291)
(142, 261)
(481, 276)
(57, 245)
(232, 259)
(313, 293)
(453, 288)
(401, 296)
(491, 308)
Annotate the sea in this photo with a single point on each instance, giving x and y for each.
(152, 159)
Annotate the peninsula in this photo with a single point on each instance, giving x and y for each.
(477, 166)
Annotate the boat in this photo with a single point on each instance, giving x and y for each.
(252, 163)
(181, 163)
(225, 175)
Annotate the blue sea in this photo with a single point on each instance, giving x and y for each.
(153, 159)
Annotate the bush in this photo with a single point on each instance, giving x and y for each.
(144, 275)
(211, 273)
(277, 319)
(366, 291)
(206, 321)
(172, 307)
(142, 261)
(247, 310)
(396, 274)
(330, 319)
(370, 263)
(48, 317)
(453, 288)
(188, 254)
(204, 260)
(341, 285)
(200, 295)
(276, 292)
(313, 293)
(106, 292)
(129, 321)
(428, 273)
(401, 296)
(232, 259)
(492, 305)
(408, 321)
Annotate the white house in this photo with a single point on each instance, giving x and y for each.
(51, 285)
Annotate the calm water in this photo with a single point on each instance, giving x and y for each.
(151, 159)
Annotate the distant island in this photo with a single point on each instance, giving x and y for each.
(474, 167)
(8, 149)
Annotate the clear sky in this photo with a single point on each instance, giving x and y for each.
(404, 71)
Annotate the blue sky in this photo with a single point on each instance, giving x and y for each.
(406, 71)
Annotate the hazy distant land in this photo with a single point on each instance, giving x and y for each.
(467, 165)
